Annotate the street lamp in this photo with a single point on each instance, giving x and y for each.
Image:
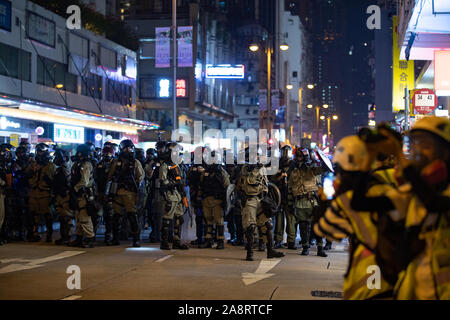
(284, 46)
(322, 117)
(335, 117)
(254, 47)
(289, 86)
(325, 106)
(310, 86)
(309, 106)
(268, 50)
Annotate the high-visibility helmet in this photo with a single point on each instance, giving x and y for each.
(350, 153)
(438, 126)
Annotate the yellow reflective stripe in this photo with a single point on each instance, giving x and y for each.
(335, 217)
(330, 231)
(359, 221)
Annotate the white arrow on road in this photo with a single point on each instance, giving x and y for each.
(35, 263)
(260, 273)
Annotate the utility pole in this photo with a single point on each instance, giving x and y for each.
(174, 82)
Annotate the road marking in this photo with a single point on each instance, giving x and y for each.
(72, 298)
(260, 273)
(164, 258)
(35, 263)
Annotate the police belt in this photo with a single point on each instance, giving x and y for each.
(308, 196)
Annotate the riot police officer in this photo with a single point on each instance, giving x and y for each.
(82, 195)
(150, 168)
(125, 176)
(6, 159)
(213, 188)
(102, 171)
(172, 189)
(281, 181)
(41, 172)
(253, 187)
(193, 178)
(61, 194)
(21, 192)
(302, 197)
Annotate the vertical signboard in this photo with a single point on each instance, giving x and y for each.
(441, 74)
(162, 49)
(403, 73)
(184, 43)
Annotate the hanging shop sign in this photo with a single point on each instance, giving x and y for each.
(14, 140)
(39, 131)
(184, 45)
(69, 134)
(403, 74)
(225, 71)
(424, 101)
(162, 49)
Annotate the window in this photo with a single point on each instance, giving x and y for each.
(118, 92)
(92, 86)
(15, 63)
(52, 74)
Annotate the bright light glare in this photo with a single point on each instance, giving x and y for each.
(254, 47)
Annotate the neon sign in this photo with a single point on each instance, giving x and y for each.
(70, 134)
(181, 88)
(4, 124)
(225, 71)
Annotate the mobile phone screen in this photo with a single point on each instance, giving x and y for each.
(328, 188)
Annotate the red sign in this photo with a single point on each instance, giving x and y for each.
(132, 137)
(181, 88)
(424, 101)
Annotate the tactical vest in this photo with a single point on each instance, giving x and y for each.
(61, 181)
(302, 182)
(212, 185)
(254, 183)
(102, 175)
(125, 175)
(76, 174)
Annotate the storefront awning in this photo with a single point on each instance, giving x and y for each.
(31, 110)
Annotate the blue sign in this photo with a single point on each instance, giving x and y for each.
(5, 15)
(225, 71)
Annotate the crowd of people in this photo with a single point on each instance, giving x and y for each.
(393, 208)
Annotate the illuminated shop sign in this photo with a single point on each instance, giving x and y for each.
(225, 71)
(70, 134)
(164, 88)
(5, 124)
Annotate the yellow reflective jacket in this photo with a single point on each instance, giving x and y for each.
(427, 277)
(341, 221)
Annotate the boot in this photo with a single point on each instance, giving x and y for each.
(207, 244)
(250, 238)
(220, 236)
(49, 225)
(271, 253)
(178, 245)
(327, 246)
(165, 235)
(278, 245)
(62, 231)
(292, 246)
(33, 235)
(90, 242)
(305, 251)
(133, 220)
(115, 230)
(78, 242)
(321, 252)
(220, 244)
(261, 246)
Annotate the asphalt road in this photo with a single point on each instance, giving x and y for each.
(39, 271)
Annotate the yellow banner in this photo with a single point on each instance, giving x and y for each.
(403, 73)
(14, 140)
